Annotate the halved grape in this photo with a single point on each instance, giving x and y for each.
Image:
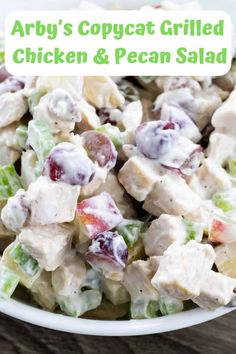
(4, 74)
(108, 252)
(11, 84)
(100, 148)
(154, 139)
(68, 163)
(180, 163)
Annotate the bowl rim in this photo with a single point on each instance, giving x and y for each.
(36, 316)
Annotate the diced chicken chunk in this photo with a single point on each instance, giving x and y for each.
(172, 195)
(225, 117)
(209, 179)
(9, 149)
(137, 280)
(226, 259)
(15, 213)
(115, 291)
(101, 92)
(52, 202)
(12, 108)
(59, 110)
(90, 119)
(182, 270)
(137, 177)
(43, 292)
(72, 84)
(216, 290)
(70, 275)
(169, 229)
(47, 244)
(221, 147)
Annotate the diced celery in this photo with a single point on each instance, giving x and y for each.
(78, 304)
(113, 133)
(169, 305)
(130, 230)
(8, 282)
(33, 101)
(2, 50)
(41, 140)
(22, 135)
(194, 231)
(25, 261)
(226, 201)
(9, 182)
(144, 309)
(232, 167)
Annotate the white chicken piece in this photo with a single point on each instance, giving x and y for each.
(15, 213)
(228, 81)
(166, 230)
(28, 164)
(48, 244)
(115, 291)
(9, 149)
(137, 280)
(43, 293)
(172, 195)
(59, 110)
(216, 290)
(4, 232)
(182, 270)
(225, 117)
(92, 187)
(68, 278)
(89, 118)
(101, 92)
(51, 202)
(204, 213)
(226, 259)
(221, 147)
(72, 84)
(132, 115)
(209, 179)
(138, 177)
(12, 108)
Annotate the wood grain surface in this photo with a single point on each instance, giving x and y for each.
(215, 337)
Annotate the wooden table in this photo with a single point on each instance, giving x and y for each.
(215, 337)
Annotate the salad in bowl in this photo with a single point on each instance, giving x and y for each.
(118, 195)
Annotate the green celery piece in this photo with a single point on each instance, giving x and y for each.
(2, 51)
(92, 280)
(33, 101)
(130, 230)
(169, 305)
(22, 135)
(41, 140)
(24, 260)
(144, 309)
(113, 133)
(9, 182)
(232, 166)
(77, 305)
(226, 201)
(8, 282)
(194, 230)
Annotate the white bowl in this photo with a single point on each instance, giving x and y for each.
(64, 323)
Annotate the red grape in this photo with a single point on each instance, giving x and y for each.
(108, 252)
(68, 163)
(100, 148)
(156, 138)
